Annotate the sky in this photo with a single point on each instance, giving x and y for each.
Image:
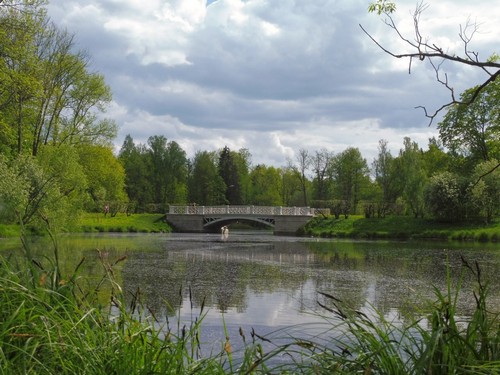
(272, 76)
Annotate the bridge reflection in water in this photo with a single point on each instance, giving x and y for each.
(283, 220)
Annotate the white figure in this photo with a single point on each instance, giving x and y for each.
(224, 232)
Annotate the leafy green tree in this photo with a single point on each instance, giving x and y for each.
(45, 192)
(321, 183)
(14, 192)
(266, 186)
(105, 177)
(20, 81)
(136, 163)
(435, 159)
(472, 127)
(486, 191)
(351, 175)
(228, 170)
(446, 197)
(48, 94)
(411, 177)
(300, 169)
(291, 189)
(169, 170)
(206, 186)
(242, 159)
(383, 168)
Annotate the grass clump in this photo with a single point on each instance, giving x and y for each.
(55, 325)
(437, 343)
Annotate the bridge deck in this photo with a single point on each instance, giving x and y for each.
(242, 210)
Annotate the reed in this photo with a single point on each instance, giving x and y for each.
(54, 324)
(436, 343)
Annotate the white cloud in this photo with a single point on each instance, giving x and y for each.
(270, 76)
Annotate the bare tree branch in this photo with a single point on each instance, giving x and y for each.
(424, 49)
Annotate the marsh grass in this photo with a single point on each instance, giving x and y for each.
(55, 324)
(440, 342)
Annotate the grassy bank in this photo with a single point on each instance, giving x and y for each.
(98, 223)
(401, 227)
(136, 223)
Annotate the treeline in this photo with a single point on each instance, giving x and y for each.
(447, 185)
(56, 154)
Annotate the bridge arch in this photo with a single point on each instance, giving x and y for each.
(215, 223)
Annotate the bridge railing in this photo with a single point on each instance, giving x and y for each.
(242, 210)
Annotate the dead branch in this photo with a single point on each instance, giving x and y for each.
(425, 50)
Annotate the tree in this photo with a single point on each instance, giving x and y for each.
(206, 186)
(472, 129)
(425, 49)
(136, 163)
(446, 197)
(486, 192)
(382, 169)
(228, 170)
(47, 93)
(266, 186)
(436, 160)
(303, 162)
(46, 191)
(169, 170)
(321, 182)
(105, 177)
(350, 173)
(291, 190)
(411, 176)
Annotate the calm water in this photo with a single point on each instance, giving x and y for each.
(265, 282)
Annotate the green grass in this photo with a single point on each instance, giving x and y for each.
(121, 223)
(50, 325)
(401, 227)
(9, 230)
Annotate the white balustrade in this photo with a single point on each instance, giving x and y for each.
(243, 210)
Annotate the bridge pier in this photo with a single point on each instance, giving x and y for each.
(186, 223)
(288, 225)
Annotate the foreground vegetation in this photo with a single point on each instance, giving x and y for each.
(55, 324)
(401, 227)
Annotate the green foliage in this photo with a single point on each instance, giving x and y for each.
(105, 176)
(350, 173)
(472, 127)
(446, 197)
(47, 92)
(206, 186)
(486, 191)
(266, 186)
(382, 6)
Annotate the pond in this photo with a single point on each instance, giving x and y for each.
(255, 280)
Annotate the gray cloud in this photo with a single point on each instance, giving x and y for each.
(269, 76)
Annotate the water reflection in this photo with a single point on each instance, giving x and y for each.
(267, 281)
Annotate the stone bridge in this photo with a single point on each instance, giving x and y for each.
(283, 220)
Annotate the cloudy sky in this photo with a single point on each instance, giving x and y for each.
(272, 76)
